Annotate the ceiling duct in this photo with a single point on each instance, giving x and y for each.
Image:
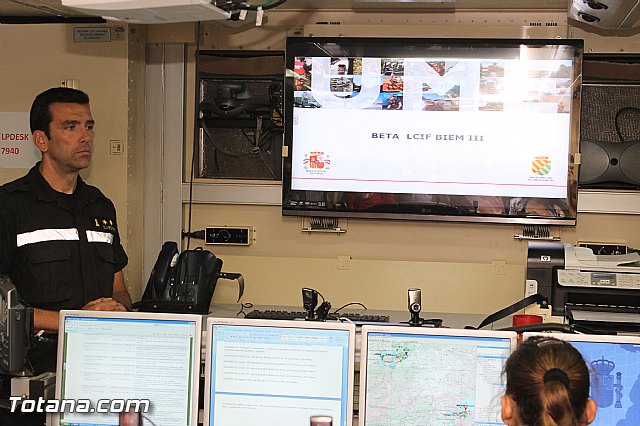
(609, 14)
(150, 11)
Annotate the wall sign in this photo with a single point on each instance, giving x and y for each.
(91, 34)
(16, 141)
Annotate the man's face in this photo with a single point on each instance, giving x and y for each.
(70, 142)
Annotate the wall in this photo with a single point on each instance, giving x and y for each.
(458, 266)
(37, 57)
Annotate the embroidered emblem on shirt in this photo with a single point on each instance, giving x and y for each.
(104, 224)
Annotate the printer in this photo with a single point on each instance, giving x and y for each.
(601, 292)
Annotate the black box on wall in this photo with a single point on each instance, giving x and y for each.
(610, 122)
(240, 121)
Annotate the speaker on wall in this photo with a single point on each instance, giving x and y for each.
(610, 136)
(610, 163)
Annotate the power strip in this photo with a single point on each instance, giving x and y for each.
(229, 235)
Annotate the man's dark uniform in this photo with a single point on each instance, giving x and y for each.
(61, 251)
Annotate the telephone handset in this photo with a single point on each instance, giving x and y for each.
(184, 282)
(160, 274)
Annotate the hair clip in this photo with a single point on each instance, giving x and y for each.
(542, 341)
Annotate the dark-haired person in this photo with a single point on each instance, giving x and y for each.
(547, 385)
(59, 240)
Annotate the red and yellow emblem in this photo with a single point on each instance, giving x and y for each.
(541, 166)
(317, 160)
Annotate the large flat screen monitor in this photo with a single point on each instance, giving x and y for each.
(275, 372)
(438, 377)
(614, 364)
(111, 359)
(432, 129)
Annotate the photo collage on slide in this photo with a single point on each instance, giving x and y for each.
(547, 91)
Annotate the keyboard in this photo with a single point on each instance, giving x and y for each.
(292, 315)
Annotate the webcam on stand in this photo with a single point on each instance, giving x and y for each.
(415, 306)
(310, 302)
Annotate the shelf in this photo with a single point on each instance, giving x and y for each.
(612, 202)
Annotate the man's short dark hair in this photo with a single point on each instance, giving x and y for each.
(40, 115)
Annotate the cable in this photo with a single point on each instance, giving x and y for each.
(244, 306)
(256, 148)
(199, 235)
(232, 5)
(349, 304)
(193, 154)
(266, 164)
(216, 146)
(617, 121)
(320, 294)
(219, 148)
(236, 111)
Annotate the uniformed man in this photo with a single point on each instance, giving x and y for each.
(59, 240)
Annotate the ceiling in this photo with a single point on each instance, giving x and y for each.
(53, 10)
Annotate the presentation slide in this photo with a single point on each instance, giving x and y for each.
(494, 127)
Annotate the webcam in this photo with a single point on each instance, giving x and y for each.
(309, 302)
(415, 306)
(415, 300)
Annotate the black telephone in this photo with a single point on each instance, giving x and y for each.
(184, 282)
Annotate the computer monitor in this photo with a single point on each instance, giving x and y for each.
(110, 359)
(278, 372)
(432, 376)
(614, 364)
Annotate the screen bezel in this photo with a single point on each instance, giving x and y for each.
(266, 323)
(381, 47)
(595, 338)
(512, 336)
(143, 316)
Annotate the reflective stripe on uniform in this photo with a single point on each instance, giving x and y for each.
(99, 237)
(42, 235)
(70, 234)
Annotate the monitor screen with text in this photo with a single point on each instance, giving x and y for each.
(278, 372)
(128, 361)
(436, 377)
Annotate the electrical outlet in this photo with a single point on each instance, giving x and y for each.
(229, 235)
(344, 262)
(499, 267)
(605, 248)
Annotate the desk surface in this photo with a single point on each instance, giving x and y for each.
(449, 319)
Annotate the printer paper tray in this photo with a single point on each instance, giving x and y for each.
(600, 316)
(619, 318)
